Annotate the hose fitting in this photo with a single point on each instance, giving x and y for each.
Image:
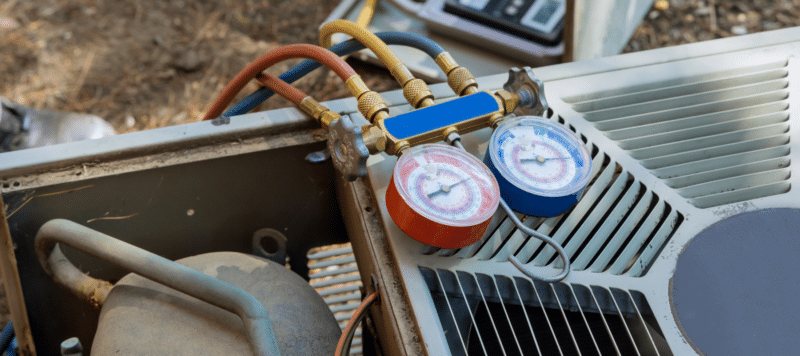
(318, 111)
(510, 101)
(415, 90)
(458, 78)
(370, 103)
(417, 93)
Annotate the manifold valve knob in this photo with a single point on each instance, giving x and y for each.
(529, 89)
(347, 148)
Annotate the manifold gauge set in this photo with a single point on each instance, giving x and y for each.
(444, 197)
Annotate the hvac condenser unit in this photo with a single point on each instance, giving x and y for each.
(682, 243)
(685, 241)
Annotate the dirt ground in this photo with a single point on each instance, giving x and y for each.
(150, 63)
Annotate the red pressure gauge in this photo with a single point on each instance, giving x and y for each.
(442, 196)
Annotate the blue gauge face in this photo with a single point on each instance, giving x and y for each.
(540, 157)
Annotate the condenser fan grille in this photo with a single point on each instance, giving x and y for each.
(717, 139)
(617, 227)
(485, 314)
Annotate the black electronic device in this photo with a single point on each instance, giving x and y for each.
(539, 21)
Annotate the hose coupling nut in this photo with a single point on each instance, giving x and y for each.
(318, 111)
(327, 117)
(417, 93)
(462, 81)
(510, 101)
(370, 104)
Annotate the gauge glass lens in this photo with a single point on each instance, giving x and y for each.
(446, 185)
(540, 156)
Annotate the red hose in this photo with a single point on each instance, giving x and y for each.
(316, 53)
(282, 88)
(344, 345)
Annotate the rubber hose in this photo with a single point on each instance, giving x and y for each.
(328, 58)
(381, 50)
(412, 40)
(365, 16)
(12, 348)
(283, 89)
(6, 335)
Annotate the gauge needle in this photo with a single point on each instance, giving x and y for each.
(446, 188)
(541, 159)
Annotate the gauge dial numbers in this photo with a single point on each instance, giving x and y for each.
(542, 168)
(442, 196)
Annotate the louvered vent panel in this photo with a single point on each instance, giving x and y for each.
(334, 275)
(617, 227)
(483, 314)
(716, 139)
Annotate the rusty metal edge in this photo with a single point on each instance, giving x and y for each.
(397, 331)
(13, 288)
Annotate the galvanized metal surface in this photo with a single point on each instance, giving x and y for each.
(603, 27)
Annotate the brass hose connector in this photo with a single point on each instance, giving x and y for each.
(509, 99)
(370, 103)
(415, 90)
(374, 138)
(458, 78)
(318, 111)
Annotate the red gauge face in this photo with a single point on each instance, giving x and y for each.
(444, 186)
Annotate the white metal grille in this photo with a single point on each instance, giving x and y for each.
(617, 227)
(717, 138)
(496, 315)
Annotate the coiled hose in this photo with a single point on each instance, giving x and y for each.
(347, 47)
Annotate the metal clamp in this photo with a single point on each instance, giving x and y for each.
(529, 89)
(347, 148)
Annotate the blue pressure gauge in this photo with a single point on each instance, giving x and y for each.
(541, 167)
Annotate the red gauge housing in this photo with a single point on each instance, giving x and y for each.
(442, 196)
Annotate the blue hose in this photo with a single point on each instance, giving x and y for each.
(307, 66)
(6, 337)
(12, 348)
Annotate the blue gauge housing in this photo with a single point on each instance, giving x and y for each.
(521, 193)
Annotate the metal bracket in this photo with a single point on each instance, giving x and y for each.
(347, 148)
(529, 89)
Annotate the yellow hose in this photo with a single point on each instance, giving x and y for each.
(381, 50)
(414, 90)
(365, 15)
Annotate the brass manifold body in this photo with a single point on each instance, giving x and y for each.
(379, 137)
(505, 102)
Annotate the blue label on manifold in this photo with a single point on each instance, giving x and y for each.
(441, 115)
